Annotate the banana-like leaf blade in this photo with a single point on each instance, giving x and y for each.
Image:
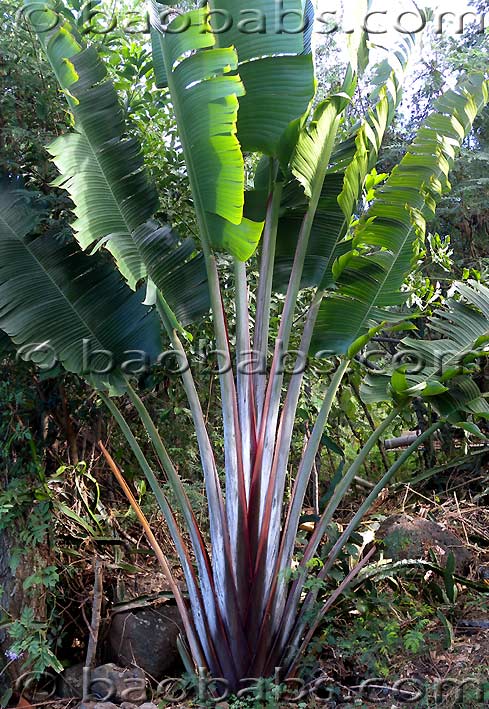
(369, 278)
(176, 269)
(353, 159)
(59, 305)
(102, 168)
(273, 44)
(205, 98)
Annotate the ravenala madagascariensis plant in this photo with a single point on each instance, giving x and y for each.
(319, 218)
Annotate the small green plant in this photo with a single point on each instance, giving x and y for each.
(25, 508)
(32, 638)
(373, 639)
(415, 638)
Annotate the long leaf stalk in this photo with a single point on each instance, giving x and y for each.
(305, 468)
(233, 593)
(219, 533)
(280, 557)
(214, 588)
(236, 584)
(236, 496)
(205, 613)
(269, 541)
(269, 417)
(289, 628)
(189, 627)
(244, 377)
(302, 620)
(269, 538)
(264, 295)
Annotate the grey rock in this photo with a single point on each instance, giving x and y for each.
(402, 537)
(147, 638)
(112, 683)
(105, 705)
(70, 683)
(129, 705)
(148, 705)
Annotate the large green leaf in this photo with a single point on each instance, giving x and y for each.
(463, 399)
(107, 184)
(327, 229)
(205, 94)
(275, 65)
(352, 161)
(176, 269)
(59, 305)
(369, 278)
(310, 146)
(460, 329)
(387, 94)
(102, 168)
(278, 91)
(312, 142)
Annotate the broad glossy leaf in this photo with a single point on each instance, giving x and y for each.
(205, 93)
(59, 305)
(313, 142)
(176, 269)
(459, 333)
(269, 38)
(278, 91)
(325, 245)
(102, 168)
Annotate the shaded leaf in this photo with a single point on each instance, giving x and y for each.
(60, 305)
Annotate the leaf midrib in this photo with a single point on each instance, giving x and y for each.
(20, 239)
(115, 201)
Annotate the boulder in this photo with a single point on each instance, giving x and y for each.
(402, 537)
(146, 637)
(118, 684)
(70, 683)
